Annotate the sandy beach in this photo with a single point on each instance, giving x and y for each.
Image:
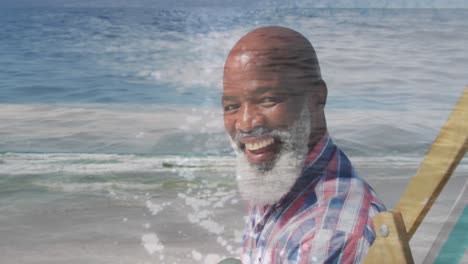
(192, 218)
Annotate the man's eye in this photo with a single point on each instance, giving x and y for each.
(230, 107)
(269, 101)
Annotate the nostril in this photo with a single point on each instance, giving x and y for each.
(244, 125)
(249, 124)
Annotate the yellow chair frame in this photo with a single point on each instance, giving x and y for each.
(395, 228)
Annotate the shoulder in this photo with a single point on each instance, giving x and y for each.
(342, 184)
(341, 230)
(345, 205)
(348, 205)
(326, 246)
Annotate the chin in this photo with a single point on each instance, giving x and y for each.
(266, 183)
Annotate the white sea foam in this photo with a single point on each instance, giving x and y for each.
(207, 51)
(197, 256)
(151, 243)
(155, 208)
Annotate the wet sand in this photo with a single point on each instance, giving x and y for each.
(181, 225)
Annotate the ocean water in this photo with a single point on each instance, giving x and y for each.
(112, 147)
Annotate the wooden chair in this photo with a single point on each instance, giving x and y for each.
(395, 228)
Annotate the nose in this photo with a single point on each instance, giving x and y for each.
(249, 118)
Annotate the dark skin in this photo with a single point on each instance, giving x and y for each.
(268, 76)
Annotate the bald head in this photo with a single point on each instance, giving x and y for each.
(274, 50)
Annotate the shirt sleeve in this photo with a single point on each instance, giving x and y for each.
(329, 246)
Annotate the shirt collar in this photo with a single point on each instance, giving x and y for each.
(316, 152)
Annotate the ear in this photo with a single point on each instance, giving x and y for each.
(317, 96)
(322, 93)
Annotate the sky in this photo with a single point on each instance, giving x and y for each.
(240, 3)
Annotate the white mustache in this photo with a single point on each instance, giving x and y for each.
(261, 132)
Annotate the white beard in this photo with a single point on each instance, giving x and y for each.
(261, 187)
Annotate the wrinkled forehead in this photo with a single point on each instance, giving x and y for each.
(274, 67)
(272, 59)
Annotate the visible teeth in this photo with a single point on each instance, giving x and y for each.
(260, 144)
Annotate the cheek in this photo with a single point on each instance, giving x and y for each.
(229, 125)
(284, 115)
(281, 115)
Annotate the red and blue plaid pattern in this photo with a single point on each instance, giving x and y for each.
(326, 217)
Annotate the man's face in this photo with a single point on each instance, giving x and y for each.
(260, 105)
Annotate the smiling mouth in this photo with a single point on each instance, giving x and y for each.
(260, 149)
(258, 145)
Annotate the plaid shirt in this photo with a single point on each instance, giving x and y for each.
(326, 217)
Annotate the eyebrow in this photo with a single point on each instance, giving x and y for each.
(229, 98)
(262, 90)
(258, 90)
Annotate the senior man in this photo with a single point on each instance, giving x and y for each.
(306, 202)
